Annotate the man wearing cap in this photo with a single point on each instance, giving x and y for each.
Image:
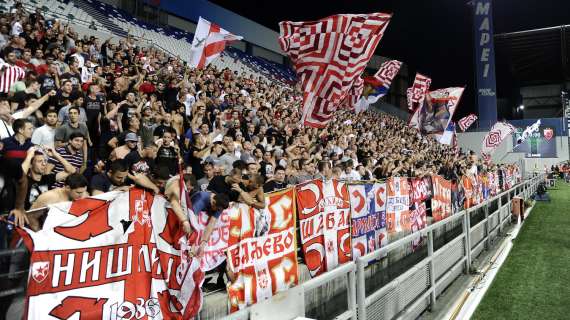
(124, 151)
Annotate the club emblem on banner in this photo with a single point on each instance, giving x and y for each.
(40, 271)
(548, 133)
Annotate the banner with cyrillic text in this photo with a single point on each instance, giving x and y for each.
(324, 224)
(368, 212)
(262, 249)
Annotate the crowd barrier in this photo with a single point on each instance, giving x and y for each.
(406, 282)
(403, 280)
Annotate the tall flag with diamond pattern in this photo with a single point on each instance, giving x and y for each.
(328, 56)
(493, 139)
(416, 94)
(208, 43)
(466, 122)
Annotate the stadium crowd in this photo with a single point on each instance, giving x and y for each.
(82, 116)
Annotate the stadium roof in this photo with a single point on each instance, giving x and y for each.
(538, 56)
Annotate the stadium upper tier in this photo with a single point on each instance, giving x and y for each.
(90, 17)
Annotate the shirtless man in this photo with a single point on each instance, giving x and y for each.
(253, 195)
(75, 188)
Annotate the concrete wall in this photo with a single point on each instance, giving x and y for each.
(504, 154)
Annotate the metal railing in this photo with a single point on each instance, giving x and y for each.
(418, 287)
(346, 270)
(449, 248)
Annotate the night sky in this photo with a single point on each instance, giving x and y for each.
(433, 37)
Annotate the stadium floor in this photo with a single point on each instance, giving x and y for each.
(534, 281)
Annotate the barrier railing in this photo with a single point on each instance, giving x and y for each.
(447, 252)
(346, 270)
(416, 289)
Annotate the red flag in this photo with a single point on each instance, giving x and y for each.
(329, 55)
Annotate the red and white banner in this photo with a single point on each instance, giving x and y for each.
(208, 43)
(421, 189)
(418, 218)
(368, 212)
(416, 94)
(387, 72)
(493, 139)
(324, 223)
(468, 184)
(398, 205)
(441, 200)
(328, 55)
(215, 250)
(114, 256)
(466, 122)
(262, 250)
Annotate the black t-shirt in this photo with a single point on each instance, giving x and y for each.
(93, 108)
(167, 156)
(195, 163)
(159, 131)
(75, 79)
(35, 188)
(62, 100)
(140, 165)
(115, 97)
(170, 95)
(128, 111)
(47, 83)
(20, 98)
(219, 185)
(273, 185)
(267, 169)
(102, 183)
(10, 173)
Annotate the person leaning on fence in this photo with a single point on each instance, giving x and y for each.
(75, 188)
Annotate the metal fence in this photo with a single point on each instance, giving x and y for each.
(448, 253)
(399, 280)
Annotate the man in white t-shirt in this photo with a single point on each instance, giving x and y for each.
(44, 135)
(6, 118)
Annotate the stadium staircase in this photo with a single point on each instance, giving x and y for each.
(89, 7)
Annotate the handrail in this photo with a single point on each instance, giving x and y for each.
(363, 301)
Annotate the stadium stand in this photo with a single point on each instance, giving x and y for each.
(365, 146)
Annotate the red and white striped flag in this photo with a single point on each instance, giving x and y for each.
(329, 55)
(416, 94)
(388, 70)
(493, 139)
(209, 41)
(466, 122)
(9, 75)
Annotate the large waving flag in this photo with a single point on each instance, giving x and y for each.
(493, 139)
(467, 121)
(209, 42)
(437, 110)
(535, 127)
(377, 86)
(329, 55)
(416, 94)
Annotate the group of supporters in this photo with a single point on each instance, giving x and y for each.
(82, 116)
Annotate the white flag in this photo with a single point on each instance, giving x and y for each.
(209, 41)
